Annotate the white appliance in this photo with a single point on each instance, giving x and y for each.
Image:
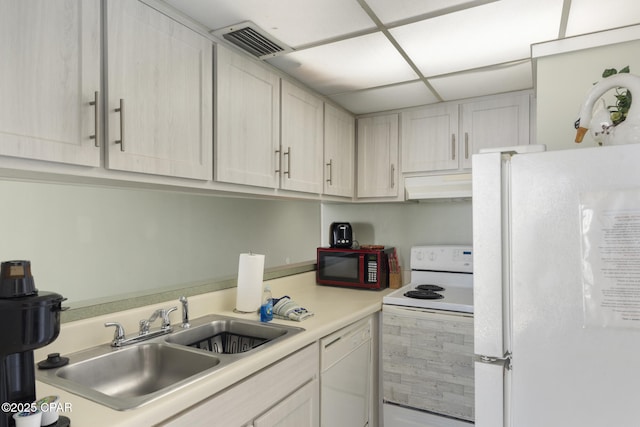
(435, 267)
(556, 287)
(345, 376)
(427, 342)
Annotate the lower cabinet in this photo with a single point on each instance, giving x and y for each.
(285, 394)
(299, 409)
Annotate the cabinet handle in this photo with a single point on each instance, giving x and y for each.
(279, 161)
(96, 118)
(393, 175)
(121, 111)
(330, 164)
(288, 154)
(466, 145)
(453, 146)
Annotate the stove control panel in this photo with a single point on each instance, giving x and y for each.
(442, 258)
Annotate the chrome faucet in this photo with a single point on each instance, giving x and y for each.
(185, 312)
(161, 313)
(119, 338)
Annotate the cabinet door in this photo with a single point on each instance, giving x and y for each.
(378, 156)
(50, 72)
(257, 395)
(160, 94)
(301, 140)
(298, 410)
(430, 139)
(248, 127)
(339, 152)
(499, 122)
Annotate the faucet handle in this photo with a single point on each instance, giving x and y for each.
(144, 327)
(166, 322)
(118, 335)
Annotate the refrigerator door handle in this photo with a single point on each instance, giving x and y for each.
(492, 376)
(506, 361)
(490, 278)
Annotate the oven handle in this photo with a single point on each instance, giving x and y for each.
(419, 311)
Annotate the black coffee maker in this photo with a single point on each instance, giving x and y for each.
(28, 320)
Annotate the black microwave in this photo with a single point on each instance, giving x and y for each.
(355, 268)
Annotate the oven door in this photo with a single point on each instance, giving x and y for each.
(340, 268)
(427, 360)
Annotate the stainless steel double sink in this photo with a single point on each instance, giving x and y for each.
(129, 377)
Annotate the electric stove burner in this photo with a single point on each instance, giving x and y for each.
(421, 294)
(434, 288)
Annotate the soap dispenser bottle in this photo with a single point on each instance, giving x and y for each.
(266, 309)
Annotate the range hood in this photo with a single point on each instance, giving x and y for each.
(451, 186)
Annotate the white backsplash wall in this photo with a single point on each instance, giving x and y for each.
(403, 224)
(92, 242)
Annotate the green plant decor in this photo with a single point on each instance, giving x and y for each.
(618, 112)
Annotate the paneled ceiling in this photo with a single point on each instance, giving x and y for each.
(377, 55)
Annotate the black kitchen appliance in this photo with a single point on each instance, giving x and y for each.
(340, 235)
(28, 320)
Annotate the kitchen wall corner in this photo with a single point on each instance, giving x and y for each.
(403, 224)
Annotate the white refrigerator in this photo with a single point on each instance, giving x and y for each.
(556, 239)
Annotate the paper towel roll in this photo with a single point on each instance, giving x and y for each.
(250, 274)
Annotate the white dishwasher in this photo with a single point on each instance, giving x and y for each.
(345, 377)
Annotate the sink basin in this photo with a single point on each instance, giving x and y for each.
(224, 335)
(128, 377)
(131, 376)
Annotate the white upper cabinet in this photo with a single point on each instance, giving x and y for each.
(301, 145)
(443, 137)
(378, 156)
(430, 138)
(50, 80)
(497, 122)
(339, 152)
(248, 126)
(160, 94)
(252, 148)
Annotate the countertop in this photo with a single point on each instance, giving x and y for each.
(333, 309)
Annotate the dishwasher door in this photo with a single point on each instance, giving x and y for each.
(345, 377)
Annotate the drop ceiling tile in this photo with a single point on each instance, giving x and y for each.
(352, 64)
(485, 35)
(293, 22)
(397, 10)
(588, 16)
(386, 98)
(506, 78)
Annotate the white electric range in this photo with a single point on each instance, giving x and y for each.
(441, 279)
(427, 342)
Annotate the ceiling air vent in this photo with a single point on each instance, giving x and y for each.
(253, 39)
